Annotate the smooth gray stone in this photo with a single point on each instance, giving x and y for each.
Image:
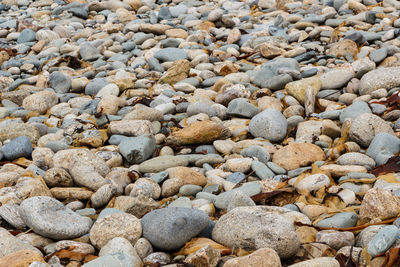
(298, 171)
(155, 65)
(291, 207)
(17, 148)
(79, 12)
(159, 177)
(268, 75)
(86, 212)
(199, 107)
(355, 109)
(178, 10)
(56, 146)
(170, 54)
(236, 177)
(330, 114)
(276, 168)
(119, 259)
(339, 220)
(26, 35)
(241, 107)
(108, 211)
(170, 42)
(249, 189)
(293, 121)
(383, 240)
(261, 170)
(378, 55)
(60, 82)
(95, 85)
(256, 152)
(181, 202)
(135, 150)
(208, 196)
(212, 189)
(269, 124)
(88, 52)
(170, 228)
(190, 190)
(383, 147)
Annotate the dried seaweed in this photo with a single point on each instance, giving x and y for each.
(391, 166)
(70, 255)
(392, 257)
(347, 261)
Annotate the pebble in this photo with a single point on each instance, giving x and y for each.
(170, 228)
(39, 212)
(383, 240)
(16, 148)
(255, 228)
(115, 225)
(269, 124)
(340, 220)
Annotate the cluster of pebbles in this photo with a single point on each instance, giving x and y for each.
(206, 133)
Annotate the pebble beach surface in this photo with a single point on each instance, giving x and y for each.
(199, 133)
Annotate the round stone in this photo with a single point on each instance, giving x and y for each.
(50, 218)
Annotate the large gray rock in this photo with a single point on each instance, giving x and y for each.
(250, 189)
(89, 52)
(18, 147)
(383, 147)
(170, 54)
(257, 227)
(95, 85)
(27, 35)
(269, 124)
(171, 228)
(137, 149)
(241, 107)
(354, 110)
(365, 126)
(48, 217)
(60, 82)
(269, 76)
(379, 78)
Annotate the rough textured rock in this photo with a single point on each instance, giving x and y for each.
(115, 225)
(210, 132)
(50, 218)
(297, 155)
(379, 78)
(364, 128)
(257, 258)
(254, 228)
(379, 203)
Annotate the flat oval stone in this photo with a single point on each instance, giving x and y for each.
(383, 240)
(340, 220)
(50, 218)
(170, 228)
(162, 163)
